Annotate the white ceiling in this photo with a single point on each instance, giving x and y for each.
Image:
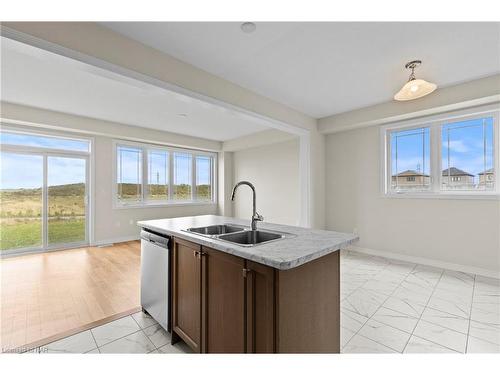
(326, 68)
(34, 77)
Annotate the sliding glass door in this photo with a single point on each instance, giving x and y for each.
(21, 201)
(66, 200)
(43, 192)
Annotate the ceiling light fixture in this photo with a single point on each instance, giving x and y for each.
(414, 88)
(248, 27)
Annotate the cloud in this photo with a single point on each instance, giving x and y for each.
(457, 146)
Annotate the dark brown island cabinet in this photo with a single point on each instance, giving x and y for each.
(222, 303)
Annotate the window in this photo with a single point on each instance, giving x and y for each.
(182, 176)
(158, 175)
(443, 155)
(152, 175)
(410, 158)
(43, 141)
(129, 176)
(204, 169)
(467, 152)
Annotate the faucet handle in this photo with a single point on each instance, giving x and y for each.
(258, 217)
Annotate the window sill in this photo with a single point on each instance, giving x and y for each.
(119, 206)
(447, 195)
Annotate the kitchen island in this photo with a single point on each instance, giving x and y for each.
(280, 296)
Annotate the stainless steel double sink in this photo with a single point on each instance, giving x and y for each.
(239, 234)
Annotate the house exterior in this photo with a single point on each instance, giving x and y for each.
(409, 179)
(487, 178)
(456, 178)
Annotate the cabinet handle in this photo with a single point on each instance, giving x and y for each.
(246, 271)
(197, 254)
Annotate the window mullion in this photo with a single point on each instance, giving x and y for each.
(145, 170)
(435, 153)
(170, 175)
(193, 177)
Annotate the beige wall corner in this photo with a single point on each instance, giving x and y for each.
(263, 138)
(317, 180)
(226, 183)
(274, 171)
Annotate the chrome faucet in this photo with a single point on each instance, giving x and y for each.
(255, 216)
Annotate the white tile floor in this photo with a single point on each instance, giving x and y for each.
(136, 333)
(391, 306)
(387, 306)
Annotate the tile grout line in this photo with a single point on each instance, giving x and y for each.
(95, 341)
(145, 334)
(142, 329)
(470, 315)
(139, 330)
(359, 287)
(422, 313)
(128, 334)
(436, 343)
(394, 291)
(355, 290)
(420, 318)
(357, 332)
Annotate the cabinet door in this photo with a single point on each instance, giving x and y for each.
(186, 287)
(223, 302)
(260, 319)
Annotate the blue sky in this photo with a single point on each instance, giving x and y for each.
(462, 141)
(26, 171)
(41, 141)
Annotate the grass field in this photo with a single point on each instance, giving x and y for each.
(28, 233)
(21, 211)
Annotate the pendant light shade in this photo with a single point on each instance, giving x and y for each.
(414, 88)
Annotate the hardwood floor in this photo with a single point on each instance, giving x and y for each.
(46, 295)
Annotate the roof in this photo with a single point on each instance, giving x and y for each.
(488, 171)
(409, 173)
(456, 172)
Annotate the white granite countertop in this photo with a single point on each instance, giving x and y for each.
(304, 246)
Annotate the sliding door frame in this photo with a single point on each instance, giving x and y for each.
(45, 153)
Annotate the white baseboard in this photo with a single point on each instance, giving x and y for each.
(428, 262)
(110, 241)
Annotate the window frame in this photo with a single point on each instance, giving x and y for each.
(435, 123)
(145, 147)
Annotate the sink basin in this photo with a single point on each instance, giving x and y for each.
(251, 237)
(215, 230)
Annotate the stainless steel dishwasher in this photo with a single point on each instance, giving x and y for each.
(155, 277)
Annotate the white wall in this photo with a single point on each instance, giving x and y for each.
(274, 170)
(464, 232)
